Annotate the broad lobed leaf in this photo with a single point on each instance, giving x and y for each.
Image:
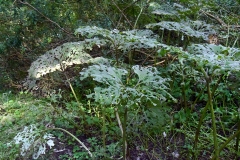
(150, 85)
(124, 41)
(196, 29)
(218, 56)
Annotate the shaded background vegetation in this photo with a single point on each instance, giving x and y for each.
(29, 28)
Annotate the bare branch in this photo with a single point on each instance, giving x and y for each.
(220, 20)
(26, 3)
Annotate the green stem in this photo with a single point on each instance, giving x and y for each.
(74, 94)
(213, 120)
(81, 143)
(227, 36)
(124, 135)
(203, 113)
(135, 24)
(168, 38)
(184, 92)
(104, 129)
(238, 137)
(208, 81)
(162, 36)
(130, 57)
(236, 134)
(186, 42)
(123, 131)
(117, 58)
(172, 82)
(236, 40)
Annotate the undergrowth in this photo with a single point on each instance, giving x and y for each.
(170, 91)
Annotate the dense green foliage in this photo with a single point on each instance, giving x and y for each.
(114, 79)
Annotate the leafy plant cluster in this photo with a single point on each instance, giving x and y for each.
(156, 93)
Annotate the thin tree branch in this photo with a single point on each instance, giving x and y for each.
(220, 20)
(123, 14)
(26, 3)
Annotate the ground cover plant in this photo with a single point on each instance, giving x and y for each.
(157, 80)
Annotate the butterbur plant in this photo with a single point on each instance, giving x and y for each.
(32, 139)
(122, 42)
(196, 29)
(124, 89)
(213, 61)
(149, 85)
(60, 58)
(72, 53)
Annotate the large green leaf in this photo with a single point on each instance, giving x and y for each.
(124, 41)
(60, 58)
(197, 29)
(217, 56)
(149, 85)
